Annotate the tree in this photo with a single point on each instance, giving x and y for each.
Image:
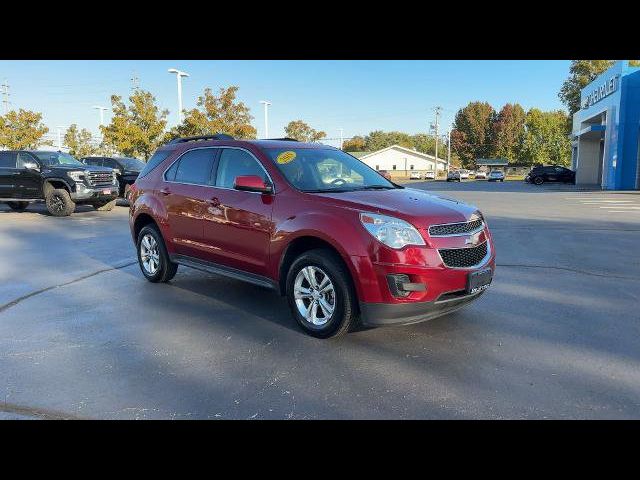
(545, 140)
(508, 132)
(581, 73)
(302, 132)
(472, 136)
(79, 142)
(355, 144)
(217, 114)
(22, 129)
(135, 130)
(426, 143)
(377, 140)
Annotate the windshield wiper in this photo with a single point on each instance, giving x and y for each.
(376, 187)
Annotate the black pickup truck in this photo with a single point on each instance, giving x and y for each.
(56, 178)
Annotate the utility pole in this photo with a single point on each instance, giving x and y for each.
(341, 138)
(437, 110)
(59, 128)
(5, 96)
(102, 110)
(135, 82)
(179, 76)
(266, 117)
(448, 149)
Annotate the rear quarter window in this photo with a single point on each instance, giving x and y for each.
(155, 160)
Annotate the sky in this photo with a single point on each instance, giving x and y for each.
(357, 96)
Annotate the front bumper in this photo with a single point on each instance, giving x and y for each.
(381, 314)
(83, 193)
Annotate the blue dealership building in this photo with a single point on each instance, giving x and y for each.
(606, 130)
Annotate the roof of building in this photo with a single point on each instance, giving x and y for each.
(492, 161)
(363, 155)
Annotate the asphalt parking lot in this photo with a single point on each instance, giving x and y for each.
(83, 335)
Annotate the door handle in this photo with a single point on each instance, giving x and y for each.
(214, 201)
(165, 191)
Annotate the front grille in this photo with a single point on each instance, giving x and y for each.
(455, 228)
(100, 178)
(463, 257)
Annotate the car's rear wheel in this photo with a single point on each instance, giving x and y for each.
(153, 257)
(59, 203)
(320, 294)
(538, 180)
(18, 206)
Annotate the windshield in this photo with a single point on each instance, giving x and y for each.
(132, 163)
(57, 158)
(326, 170)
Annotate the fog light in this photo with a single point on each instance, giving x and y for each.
(401, 286)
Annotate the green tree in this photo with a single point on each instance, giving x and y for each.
(217, 114)
(302, 132)
(472, 136)
(22, 129)
(377, 140)
(546, 140)
(79, 142)
(508, 132)
(355, 144)
(581, 73)
(135, 130)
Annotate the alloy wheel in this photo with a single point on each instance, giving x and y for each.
(149, 254)
(314, 295)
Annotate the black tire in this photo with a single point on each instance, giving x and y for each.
(345, 312)
(166, 269)
(104, 207)
(59, 203)
(18, 206)
(538, 180)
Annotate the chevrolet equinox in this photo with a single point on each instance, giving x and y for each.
(345, 245)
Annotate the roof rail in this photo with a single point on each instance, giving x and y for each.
(217, 136)
(285, 139)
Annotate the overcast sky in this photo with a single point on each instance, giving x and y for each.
(358, 96)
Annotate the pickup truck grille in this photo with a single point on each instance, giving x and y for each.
(450, 229)
(463, 257)
(100, 178)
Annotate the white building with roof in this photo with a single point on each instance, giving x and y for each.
(401, 159)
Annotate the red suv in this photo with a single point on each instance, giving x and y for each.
(345, 245)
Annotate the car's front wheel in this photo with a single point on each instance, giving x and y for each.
(538, 180)
(153, 257)
(321, 295)
(59, 203)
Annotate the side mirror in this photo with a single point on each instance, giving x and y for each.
(252, 183)
(31, 166)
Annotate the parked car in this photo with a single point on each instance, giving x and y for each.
(551, 173)
(56, 178)
(366, 253)
(385, 174)
(454, 176)
(481, 174)
(430, 175)
(496, 176)
(464, 174)
(127, 170)
(415, 176)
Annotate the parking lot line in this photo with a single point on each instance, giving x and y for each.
(628, 207)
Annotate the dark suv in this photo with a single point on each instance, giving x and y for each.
(127, 170)
(551, 173)
(344, 244)
(57, 178)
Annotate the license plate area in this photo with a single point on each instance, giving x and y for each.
(478, 281)
(106, 191)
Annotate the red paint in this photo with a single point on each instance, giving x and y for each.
(251, 230)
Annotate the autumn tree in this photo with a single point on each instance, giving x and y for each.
(79, 142)
(472, 136)
(545, 140)
(355, 144)
(377, 140)
(581, 73)
(217, 114)
(22, 129)
(299, 130)
(137, 129)
(508, 132)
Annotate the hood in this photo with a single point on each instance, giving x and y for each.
(418, 207)
(69, 168)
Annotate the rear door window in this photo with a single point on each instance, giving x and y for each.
(194, 167)
(8, 159)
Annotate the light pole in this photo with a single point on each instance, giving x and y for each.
(102, 110)
(179, 76)
(59, 128)
(266, 117)
(341, 137)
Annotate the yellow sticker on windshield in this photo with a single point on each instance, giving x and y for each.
(286, 157)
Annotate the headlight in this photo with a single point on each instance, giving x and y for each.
(391, 231)
(77, 176)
